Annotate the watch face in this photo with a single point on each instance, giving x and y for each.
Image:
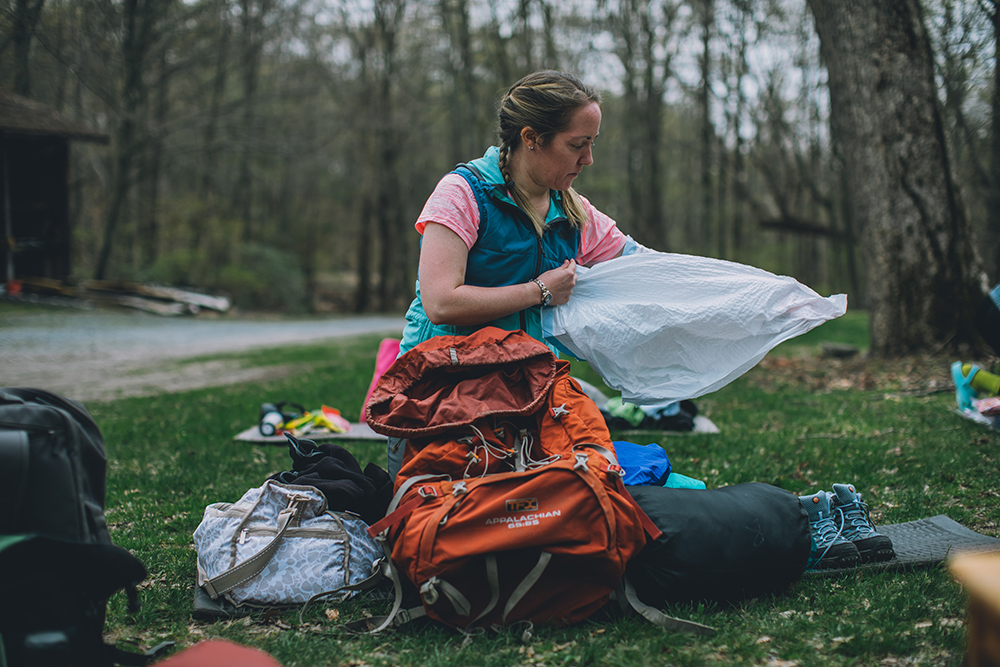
(546, 299)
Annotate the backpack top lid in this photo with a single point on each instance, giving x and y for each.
(450, 381)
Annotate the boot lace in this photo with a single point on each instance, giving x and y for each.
(855, 520)
(826, 532)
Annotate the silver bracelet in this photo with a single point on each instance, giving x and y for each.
(546, 294)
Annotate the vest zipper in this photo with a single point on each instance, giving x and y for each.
(538, 268)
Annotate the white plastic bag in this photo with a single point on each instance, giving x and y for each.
(662, 326)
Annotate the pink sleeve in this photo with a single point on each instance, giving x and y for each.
(453, 205)
(601, 239)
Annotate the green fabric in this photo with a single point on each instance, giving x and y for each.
(633, 414)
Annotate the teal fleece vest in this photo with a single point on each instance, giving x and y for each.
(508, 251)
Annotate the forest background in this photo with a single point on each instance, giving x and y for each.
(280, 150)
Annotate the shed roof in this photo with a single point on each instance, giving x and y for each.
(19, 115)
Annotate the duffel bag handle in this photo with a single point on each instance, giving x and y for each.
(233, 577)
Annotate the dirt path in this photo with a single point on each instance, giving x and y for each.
(99, 355)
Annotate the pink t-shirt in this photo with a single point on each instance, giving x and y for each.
(453, 205)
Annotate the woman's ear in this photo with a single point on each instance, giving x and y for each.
(529, 138)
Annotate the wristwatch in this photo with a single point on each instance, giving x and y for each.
(546, 294)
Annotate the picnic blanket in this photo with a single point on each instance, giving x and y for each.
(357, 432)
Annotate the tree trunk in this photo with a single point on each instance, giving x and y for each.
(993, 210)
(393, 264)
(26, 15)
(922, 274)
(641, 30)
(137, 20)
(211, 150)
(253, 20)
(154, 161)
(702, 229)
(460, 66)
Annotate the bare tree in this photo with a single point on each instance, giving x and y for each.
(701, 229)
(253, 17)
(138, 20)
(921, 269)
(26, 15)
(460, 66)
(992, 9)
(642, 31)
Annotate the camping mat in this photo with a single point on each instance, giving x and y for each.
(357, 432)
(922, 543)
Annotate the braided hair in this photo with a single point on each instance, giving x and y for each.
(545, 101)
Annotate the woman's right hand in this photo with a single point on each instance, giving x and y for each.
(560, 281)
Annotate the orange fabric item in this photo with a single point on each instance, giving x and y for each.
(530, 490)
(219, 653)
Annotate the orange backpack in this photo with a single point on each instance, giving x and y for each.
(509, 505)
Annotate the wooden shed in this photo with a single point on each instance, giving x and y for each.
(34, 188)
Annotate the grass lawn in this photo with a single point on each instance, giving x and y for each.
(796, 421)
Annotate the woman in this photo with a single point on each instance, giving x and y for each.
(503, 235)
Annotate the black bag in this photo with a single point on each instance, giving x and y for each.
(58, 566)
(725, 544)
(52, 468)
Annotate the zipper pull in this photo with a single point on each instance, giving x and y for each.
(243, 536)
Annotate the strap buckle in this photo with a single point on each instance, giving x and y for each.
(428, 491)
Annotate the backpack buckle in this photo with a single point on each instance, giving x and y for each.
(429, 591)
(428, 491)
(581, 461)
(613, 469)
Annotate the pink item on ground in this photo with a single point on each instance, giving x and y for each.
(388, 350)
(219, 653)
(989, 407)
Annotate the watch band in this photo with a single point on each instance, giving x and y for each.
(546, 294)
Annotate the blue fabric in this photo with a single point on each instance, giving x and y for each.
(679, 481)
(995, 295)
(643, 465)
(508, 251)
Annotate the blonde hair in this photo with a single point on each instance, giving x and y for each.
(545, 101)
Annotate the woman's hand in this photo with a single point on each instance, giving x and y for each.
(560, 281)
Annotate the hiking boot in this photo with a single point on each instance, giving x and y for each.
(852, 514)
(829, 549)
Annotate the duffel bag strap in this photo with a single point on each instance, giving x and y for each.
(629, 600)
(398, 616)
(380, 571)
(234, 576)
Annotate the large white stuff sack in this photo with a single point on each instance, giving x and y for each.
(663, 327)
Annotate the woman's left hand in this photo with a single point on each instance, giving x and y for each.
(560, 281)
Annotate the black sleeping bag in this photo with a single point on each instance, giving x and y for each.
(723, 544)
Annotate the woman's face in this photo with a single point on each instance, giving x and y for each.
(556, 163)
